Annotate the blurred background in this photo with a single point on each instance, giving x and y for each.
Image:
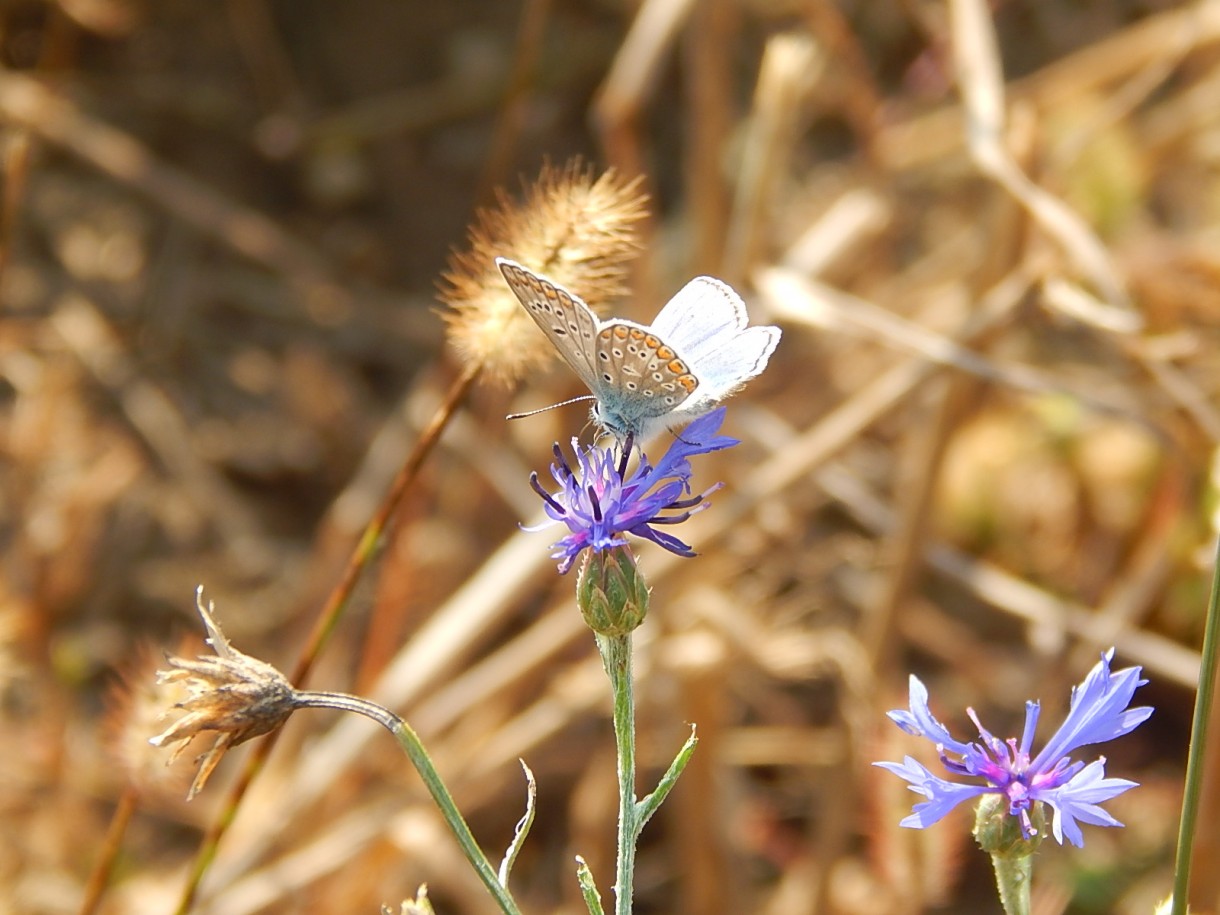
(982, 453)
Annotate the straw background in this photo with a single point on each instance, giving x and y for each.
(983, 451)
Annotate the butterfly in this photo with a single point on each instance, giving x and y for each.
(697, 351)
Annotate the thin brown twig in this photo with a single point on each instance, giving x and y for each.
(113, 844)
(16, 174)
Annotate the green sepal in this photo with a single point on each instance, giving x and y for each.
(611, 592)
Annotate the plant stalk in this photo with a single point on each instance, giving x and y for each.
(616, 656)
(1013, 875)
(362, 556)
(414, 748)
(1204, 696)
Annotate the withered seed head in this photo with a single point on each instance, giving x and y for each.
(232, 693)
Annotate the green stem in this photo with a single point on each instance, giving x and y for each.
(410, 742)
(616, 656)
(1013, 874)
(1198, 743)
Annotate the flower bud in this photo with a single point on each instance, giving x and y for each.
(998, 832)
(611, 592)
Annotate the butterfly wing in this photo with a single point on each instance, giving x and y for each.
(704, 313)
(706, 322)
(568, 322)
(642, 375)
(726, 363)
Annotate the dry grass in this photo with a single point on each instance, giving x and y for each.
(984, 449)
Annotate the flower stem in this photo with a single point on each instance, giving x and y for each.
(100, 878)
(1013, 874)
(414, 748)
(616, 657)
(328, 618)
(1198, 743)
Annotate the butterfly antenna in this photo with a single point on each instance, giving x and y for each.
(562, 403)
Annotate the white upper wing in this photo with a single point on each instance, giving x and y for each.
(703, 312)
(726, 364)
(706, 324)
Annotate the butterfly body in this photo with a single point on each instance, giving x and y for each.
(645, 378)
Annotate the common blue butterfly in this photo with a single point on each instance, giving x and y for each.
(697, 351)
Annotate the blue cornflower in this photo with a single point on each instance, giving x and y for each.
(1073, 790)
(600, 502)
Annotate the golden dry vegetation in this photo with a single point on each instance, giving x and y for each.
(983, 452)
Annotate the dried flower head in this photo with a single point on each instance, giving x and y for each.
(578, 230)
(238, 696)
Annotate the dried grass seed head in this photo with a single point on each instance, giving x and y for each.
(578, 230)
(136, 704)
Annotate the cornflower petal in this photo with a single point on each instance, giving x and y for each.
(942, 794)
(1098, 711)
(662, 539)
(1033, 710)
(1078, 800)
(920, 722)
